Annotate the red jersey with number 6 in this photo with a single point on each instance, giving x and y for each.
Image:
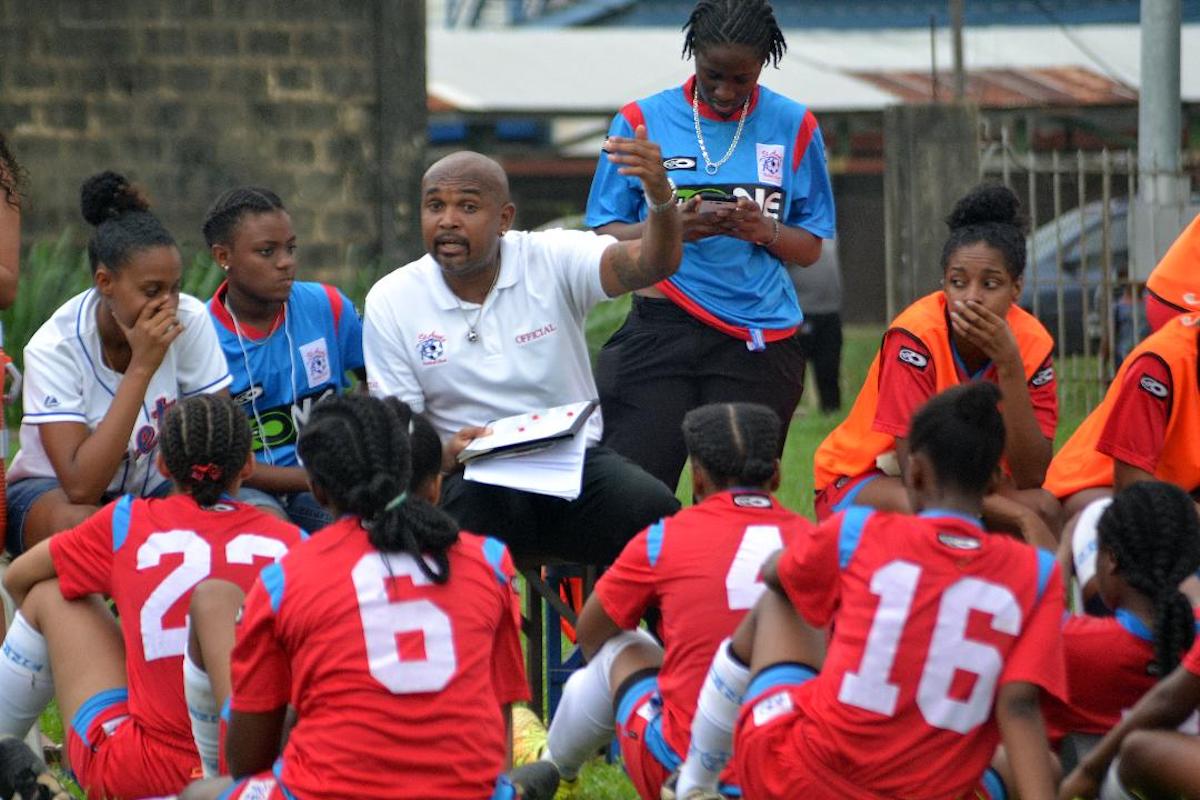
(398, 681)
(933, 616)
(702, 568)
(148, 555)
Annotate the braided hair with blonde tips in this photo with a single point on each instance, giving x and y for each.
(1153, 533)
(748, 22)
(204, 441)
(357, 449)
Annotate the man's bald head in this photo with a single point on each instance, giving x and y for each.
(467, 167)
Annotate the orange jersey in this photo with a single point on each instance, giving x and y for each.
(1080, 465)
(852, 447)
(1176, 278)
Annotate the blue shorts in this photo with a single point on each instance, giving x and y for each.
(269, 786)
(21, 496)
(301, 508)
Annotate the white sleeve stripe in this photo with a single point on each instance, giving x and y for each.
(226, 379)
(60, 414)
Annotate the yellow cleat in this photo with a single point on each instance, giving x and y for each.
(529, 736)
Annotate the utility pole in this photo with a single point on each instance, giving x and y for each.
(960, 72)
(1162, 189)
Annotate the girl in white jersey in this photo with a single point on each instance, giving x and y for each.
(103, 369)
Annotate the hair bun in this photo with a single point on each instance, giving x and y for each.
(988, 202)
(977, 402)
(108, 196)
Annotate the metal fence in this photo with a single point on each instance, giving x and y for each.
(1077, 278)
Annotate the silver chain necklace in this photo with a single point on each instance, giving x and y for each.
(710, 166)
(472, 328)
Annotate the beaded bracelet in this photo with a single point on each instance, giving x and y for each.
(774, 237)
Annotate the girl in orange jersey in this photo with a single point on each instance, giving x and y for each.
(970, 330)
(1173, 286)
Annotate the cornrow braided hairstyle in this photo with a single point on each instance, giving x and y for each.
(748, 22)
(1152, 530)
(989, 213)
(962, 432)
(227, 211)
(736, 443)
(124, 224)
(205, 440)
(358, 450)
(11, 176)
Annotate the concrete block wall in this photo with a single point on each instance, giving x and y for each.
(192, 97)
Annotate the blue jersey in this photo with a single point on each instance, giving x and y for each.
(278, 375)
(779, 162)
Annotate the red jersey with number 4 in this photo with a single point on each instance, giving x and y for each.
(702, 568)
(933, 616)
(398, 681)
(148, 555)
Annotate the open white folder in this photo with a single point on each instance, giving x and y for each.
(541, 451)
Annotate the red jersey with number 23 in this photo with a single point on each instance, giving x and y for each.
(148, 555)
(398, 681)
(933, 616)
(702, 568)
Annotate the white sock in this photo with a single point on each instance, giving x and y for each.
(1112, 788)
(717, 708)
(584, 720)
(205, 716)
(26, 684)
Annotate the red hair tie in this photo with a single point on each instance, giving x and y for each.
(202, 471)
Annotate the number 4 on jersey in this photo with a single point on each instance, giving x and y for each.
(743, 582)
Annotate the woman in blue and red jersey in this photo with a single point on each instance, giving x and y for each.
(748, 166)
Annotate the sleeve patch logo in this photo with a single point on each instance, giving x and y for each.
(912, 357)
(1043, 377)
(1154, 387)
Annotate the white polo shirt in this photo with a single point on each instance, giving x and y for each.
(531, 352)
(66, 380)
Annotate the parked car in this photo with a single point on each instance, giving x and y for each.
(1079, 235)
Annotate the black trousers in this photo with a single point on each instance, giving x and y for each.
(821, 340)
(618, 499)
(663, 362)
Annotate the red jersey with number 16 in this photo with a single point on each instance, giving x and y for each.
(148, 555)
(933, 616)
(398, 681)
(702, 568)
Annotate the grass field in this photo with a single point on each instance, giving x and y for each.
(56, 271)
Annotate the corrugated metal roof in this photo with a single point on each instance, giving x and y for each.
(1010, 88)
(596, 71)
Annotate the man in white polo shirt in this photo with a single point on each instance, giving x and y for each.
(490, 323)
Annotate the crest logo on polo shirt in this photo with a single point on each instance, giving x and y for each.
(315, 356)
(770, 163)
(432, 348)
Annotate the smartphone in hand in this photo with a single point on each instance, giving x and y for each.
(709, 205)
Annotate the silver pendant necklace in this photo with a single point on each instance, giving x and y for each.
(473, 328)
(711, 166)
